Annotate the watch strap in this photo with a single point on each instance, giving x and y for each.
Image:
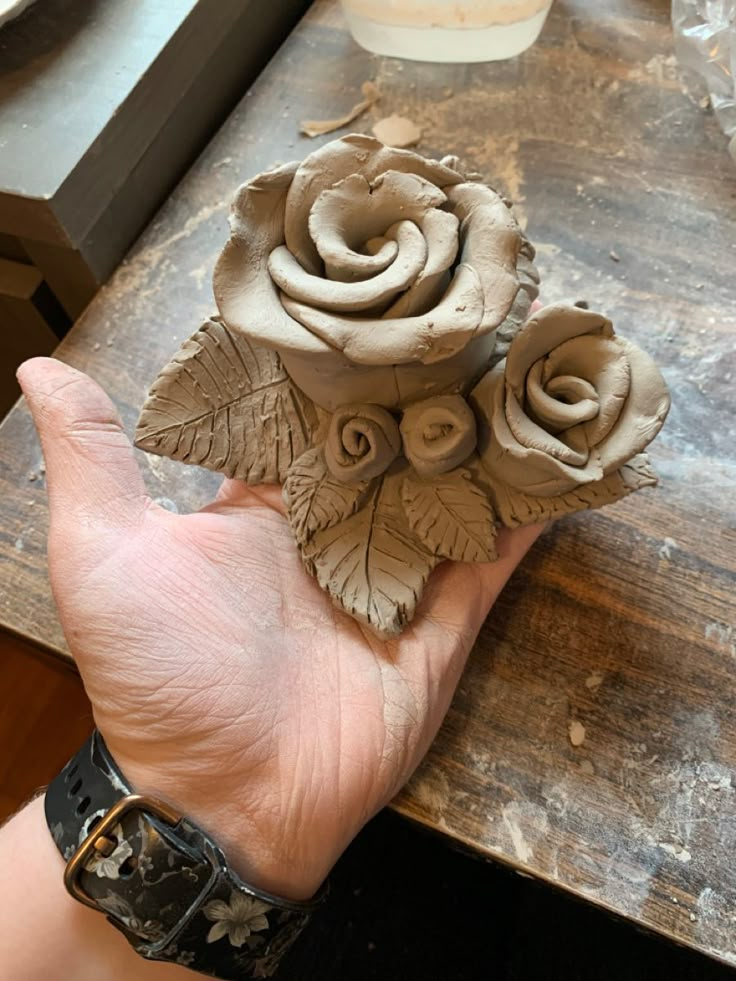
(160, 879)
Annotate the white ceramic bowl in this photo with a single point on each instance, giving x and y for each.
(446, 30)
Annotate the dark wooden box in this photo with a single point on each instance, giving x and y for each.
(102, 107)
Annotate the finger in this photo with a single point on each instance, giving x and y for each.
(512, 546)
(460, 595)
(90, 467)
(456, 602)
(237, 494)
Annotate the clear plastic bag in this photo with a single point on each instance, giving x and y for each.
(705, 41)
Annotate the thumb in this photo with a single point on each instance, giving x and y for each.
(512, 545)
(90, 467)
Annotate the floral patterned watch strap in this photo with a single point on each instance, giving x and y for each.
(159, 877)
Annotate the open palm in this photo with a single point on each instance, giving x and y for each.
(221, 676)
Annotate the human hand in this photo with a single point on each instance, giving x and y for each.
(220, 674)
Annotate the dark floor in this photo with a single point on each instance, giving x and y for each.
(404, 907)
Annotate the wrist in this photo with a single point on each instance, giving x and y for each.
(253, 833)
(76, 942)
(163, 880)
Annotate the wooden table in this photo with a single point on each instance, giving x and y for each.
(622, 620)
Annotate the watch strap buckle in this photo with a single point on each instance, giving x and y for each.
(98, 840)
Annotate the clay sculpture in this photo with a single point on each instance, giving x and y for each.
(374, 354)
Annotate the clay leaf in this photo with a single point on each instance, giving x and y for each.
(451, 516)
(315, 500)
(372, 564)
(228, 405)
(515, 508)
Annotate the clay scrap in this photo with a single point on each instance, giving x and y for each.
(375, 354)
(319, 127)
(397, 131)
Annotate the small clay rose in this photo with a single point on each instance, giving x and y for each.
(363, 441)
(377, 274)
(570, 404)
(438, 434)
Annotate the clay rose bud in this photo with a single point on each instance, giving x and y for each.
(377, 274)
(363, 441)
(438, 434)
(570, 404)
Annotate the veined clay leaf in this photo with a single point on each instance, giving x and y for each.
(515, 508)
(372, 564)
(315, 500)
(227, 405)
(451, 516)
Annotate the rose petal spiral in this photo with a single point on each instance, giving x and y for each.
(362, 442)
(438, 434)
(364, 258)
(570, 404)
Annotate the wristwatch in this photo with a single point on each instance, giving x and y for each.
(160, 879)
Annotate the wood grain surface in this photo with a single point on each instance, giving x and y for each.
(622, 620)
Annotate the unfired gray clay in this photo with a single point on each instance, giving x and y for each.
(370, 356)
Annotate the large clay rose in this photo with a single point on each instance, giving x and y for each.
(571, 404)
(375, 273)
